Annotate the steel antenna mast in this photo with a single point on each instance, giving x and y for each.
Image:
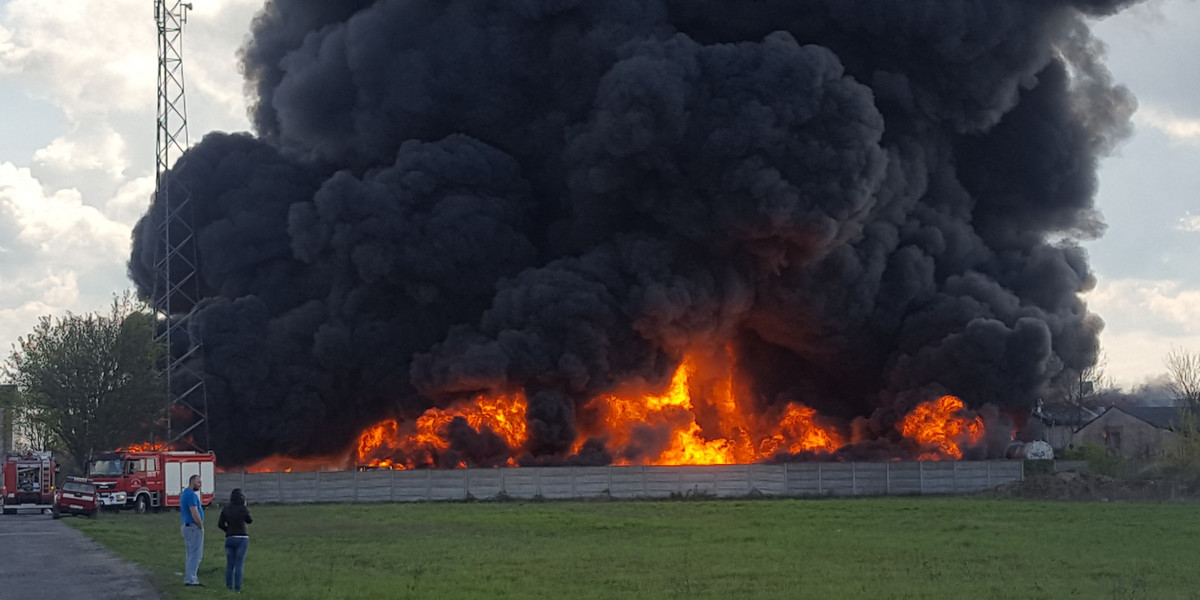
(176, 282)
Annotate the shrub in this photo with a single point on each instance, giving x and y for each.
(1098, 459)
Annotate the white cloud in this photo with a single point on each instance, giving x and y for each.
(52, 247)
(10, 53)
(102, 151)
(97, 63)
(22, 302)
(1180, 129)
(58, 226)
(1144, 319)
(66, 211)
(88, 56)
(130, 201)
(1189, 223)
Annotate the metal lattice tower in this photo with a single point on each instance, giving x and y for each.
(176, 282)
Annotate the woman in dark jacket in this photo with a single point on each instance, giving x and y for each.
(234, 518)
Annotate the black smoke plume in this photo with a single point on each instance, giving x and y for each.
(868, 202)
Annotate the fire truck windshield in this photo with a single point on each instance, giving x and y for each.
(105, 467)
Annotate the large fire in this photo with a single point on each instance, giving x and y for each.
(940, 427)
(696, 420)
(664, 429)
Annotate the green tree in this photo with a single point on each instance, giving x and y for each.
(90, 382)
(24, 429)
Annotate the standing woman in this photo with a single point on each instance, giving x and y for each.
(234, 518)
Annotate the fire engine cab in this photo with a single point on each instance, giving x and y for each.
(28, 480)
(145, 480)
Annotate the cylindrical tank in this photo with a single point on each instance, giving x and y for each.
(1035, 450)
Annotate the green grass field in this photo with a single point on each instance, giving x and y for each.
(926, 548)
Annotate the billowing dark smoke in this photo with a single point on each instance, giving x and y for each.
(868, 202)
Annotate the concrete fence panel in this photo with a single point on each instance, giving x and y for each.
(374, 486)
(591, 482)
(557, 483)
(768, 480)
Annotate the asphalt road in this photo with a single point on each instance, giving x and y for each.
(41, 558)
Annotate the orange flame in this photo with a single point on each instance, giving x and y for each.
(698, 419)
(940, 426)
(378, 446)
(139, 447)
(736, 435)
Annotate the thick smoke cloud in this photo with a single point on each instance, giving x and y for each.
(869, 202)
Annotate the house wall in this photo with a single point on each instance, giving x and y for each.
(1058, 436)
(1126, 435)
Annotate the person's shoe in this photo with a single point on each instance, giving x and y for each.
(194, 584)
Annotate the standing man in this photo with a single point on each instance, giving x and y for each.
(193, 529)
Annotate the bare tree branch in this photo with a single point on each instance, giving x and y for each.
(1184, 370)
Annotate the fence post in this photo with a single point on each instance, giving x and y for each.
(428, 484)
(989, 474)
(787, 490)
(820, 484)
(921, 475)
(392, 491)
(854, 478)
(887, 478)
(466, 483)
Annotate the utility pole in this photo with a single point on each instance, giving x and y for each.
(176, 282)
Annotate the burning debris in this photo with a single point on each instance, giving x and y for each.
(623, 232)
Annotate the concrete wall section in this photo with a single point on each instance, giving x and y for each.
(560, 483)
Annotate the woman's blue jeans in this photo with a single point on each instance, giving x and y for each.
(235, 558)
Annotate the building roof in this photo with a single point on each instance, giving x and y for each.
(1162, 417)
(1059, 414)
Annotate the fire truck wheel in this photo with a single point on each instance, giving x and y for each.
(55, 514)
(141, 505)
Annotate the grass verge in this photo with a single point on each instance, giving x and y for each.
(926, 548)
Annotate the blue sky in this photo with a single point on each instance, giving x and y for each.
(77, 110)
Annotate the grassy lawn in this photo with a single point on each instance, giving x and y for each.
(926, 548)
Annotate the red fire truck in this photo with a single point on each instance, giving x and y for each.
(145, 480)
(28, 480)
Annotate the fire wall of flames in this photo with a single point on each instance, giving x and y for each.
(697, 420)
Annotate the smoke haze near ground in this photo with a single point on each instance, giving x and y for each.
(866, 203)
